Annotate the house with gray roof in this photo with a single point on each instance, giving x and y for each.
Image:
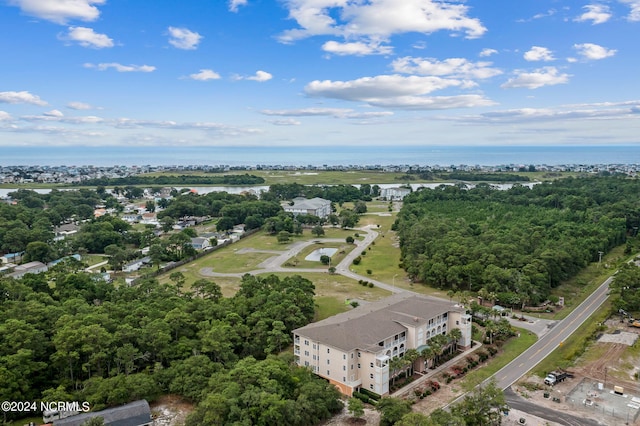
(314, 206)
(352, 350)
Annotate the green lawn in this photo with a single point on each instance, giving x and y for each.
(299, 262)
(509, 351)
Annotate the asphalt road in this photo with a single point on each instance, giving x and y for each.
(552, 339)
(517, 403)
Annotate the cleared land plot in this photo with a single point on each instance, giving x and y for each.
(300, 262)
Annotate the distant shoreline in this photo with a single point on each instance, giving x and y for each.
(321, 156)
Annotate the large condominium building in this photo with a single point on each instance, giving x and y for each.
(352, 350)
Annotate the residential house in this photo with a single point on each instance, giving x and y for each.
(28, 268)
(394, 194)
(314, 206)
(352, 350)
(136, 264)
(131, 217)
(200, 243)
(12, 257)
(65, 230)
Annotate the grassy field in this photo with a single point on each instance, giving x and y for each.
(300, 262)
(511, 349)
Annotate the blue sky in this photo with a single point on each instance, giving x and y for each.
(319, 72)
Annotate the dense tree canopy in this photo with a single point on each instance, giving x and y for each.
(517, 243)
(110, 345)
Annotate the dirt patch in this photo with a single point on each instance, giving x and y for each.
(370, 417)
(170, 410)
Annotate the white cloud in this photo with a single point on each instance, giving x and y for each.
(5, 116)
(235, 4)
(79, 106)
(205, 75)
(260, 76)
(60, 11)
(377, 20)
(307, 112)
(121, 68)
(183, 38)
(453, 67)
(86, 37)
(634, 13)
(488, 52)
(286, 122)
(537, 53)
(547, 76)
(356, 48)
(54, 113)
(434, 102)
(596, 13)
(58, 116)
(396, 91)
(23, 97)
(593, 51)
(593, 111)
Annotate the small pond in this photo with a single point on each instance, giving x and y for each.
(316, 254)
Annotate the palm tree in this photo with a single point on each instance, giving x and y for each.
(395, 364)
(483, 294)
(456, 335)
(489, 330)
(411, 355)
(427, 354)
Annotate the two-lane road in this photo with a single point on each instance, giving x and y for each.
(555, 337)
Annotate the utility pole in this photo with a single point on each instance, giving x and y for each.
(600, 253)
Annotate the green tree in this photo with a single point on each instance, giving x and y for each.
(317, 230)
(483, 406)
(392, 409)
(39, 251)
(356, 407)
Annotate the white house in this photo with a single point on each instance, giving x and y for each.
(314, 206)
(394, 194)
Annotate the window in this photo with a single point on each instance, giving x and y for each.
(371, 376)
(344, 379)
(351, 355)
(358, 354)
(371, 386)
(328, 373)
(457, 322)
(328, 350)
(344, 356)
(328, 362)
(352, 366)
(306, 353)
(358, 365)
(306, 342)
(314, 346)
(371, 364)
(344, 368)
(314, 357)
(306, 363)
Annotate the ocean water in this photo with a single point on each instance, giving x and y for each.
(322, 155)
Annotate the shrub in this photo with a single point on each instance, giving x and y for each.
(371, 395)
(370, 285)
(369, 272)
(357, 260)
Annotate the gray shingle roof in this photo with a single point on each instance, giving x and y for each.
(367, 325)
